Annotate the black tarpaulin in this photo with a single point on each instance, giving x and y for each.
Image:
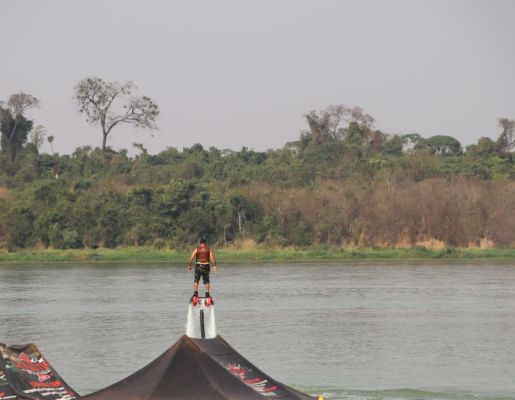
(26, 374)
(232, 361)
(203, 369)
(192, 369)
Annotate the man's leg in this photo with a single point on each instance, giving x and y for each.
(205, 278)
(209, 299)
(196, 281)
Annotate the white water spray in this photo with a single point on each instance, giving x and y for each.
(194, 323)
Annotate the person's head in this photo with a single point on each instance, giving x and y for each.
(203, 241)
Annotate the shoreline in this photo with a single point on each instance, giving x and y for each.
(259, 255)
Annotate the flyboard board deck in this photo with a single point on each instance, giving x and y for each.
(201, 322)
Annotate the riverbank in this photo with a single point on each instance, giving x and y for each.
(312, 254)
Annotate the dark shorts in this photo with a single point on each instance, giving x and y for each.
(202, 270)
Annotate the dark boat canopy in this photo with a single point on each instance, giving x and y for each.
(208, 369)
(203, 369)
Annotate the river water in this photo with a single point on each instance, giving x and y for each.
(361, 331)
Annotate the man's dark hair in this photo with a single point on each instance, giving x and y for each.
(203, 241)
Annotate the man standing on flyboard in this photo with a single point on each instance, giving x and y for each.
(203, 256)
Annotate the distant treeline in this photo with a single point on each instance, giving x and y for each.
(343, 183)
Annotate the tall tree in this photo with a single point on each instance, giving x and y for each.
(410, 141)
(506, 140)
(327, 125)
(440, 145)
(14, 126)
(51, 141)
(486, 147)
(37, 136)
(98, 99)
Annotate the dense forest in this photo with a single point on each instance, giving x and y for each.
(342, 183)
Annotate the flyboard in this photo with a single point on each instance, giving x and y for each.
(201, 322)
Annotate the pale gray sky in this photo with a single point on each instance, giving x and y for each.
(242, 73)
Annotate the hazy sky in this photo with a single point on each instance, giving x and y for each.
(243, 73)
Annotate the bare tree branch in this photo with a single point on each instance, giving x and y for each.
(97, 99)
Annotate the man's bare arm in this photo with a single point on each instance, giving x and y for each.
(212, 259)
(191, 258)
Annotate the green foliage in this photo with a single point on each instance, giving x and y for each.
(393, 147)
(14, 130)
(440, 145)
(486, 147)
(20, 227)
(297, 231)
(341, 183)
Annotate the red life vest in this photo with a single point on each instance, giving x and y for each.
(203, 254)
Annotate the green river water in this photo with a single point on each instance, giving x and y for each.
(354, 331)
